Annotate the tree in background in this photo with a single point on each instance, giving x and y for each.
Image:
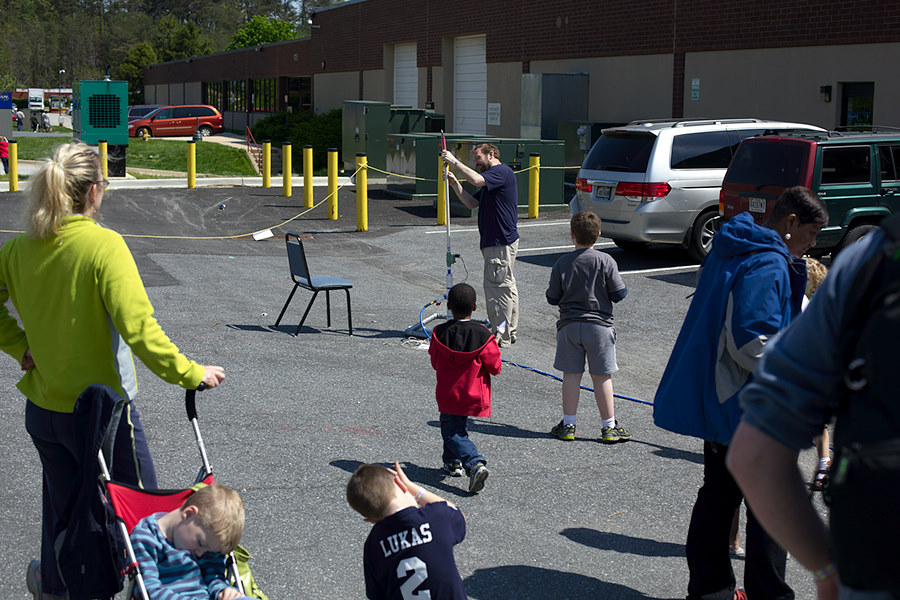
(132, 69)
(262, 30)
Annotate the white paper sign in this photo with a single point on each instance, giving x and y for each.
(493, 115)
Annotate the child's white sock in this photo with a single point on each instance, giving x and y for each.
(824, 464)
(608, 423)
(568, 419)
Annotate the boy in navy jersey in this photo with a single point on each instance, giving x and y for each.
(410, 549)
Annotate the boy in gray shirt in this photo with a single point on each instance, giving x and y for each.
(585, 284)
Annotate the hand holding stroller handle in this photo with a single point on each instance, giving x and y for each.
(190, 401)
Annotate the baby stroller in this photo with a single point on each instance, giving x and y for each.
(131, 504)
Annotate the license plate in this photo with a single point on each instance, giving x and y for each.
(758, 205)
(603, 192)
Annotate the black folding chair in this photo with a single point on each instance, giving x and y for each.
(302, 278)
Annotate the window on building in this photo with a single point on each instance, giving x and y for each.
(265, 95)
(857, 103)
(212, 94)
(236, 95)
(299, 92)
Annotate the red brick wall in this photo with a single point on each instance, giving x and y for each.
(352, 37)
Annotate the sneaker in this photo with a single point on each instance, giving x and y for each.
(563, 432)
(33, 579)
(612, 435)
(476, 478)
(739, 551)
(739, 595)
(820, 481)
(453, 469)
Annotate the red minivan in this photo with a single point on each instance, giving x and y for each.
(183, 119)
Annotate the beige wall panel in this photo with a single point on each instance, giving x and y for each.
(374, 86)
(331, 89)
(622, 88)
(784, 83)
(176, 93)
(505, 87)
(193, 93)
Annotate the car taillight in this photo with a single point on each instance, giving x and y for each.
(721, 202)
(582, 185)
(646, 190)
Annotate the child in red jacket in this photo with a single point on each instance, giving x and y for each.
(465, 355)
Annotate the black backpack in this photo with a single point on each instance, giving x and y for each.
(864, 488)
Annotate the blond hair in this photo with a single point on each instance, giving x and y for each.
(370, 490)
(815, 274)
(59, 188)
(220, 511)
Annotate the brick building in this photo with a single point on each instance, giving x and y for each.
(820, 62)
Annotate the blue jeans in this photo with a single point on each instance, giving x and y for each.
(53, 435)
(457, 445)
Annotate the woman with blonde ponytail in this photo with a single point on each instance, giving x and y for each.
(83, 310)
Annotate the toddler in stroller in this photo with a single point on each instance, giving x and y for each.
(179, 538)
(183, 551)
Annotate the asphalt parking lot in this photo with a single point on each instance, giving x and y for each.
(296, 415)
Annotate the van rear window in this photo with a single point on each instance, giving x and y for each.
(768, 164)
(624, 152)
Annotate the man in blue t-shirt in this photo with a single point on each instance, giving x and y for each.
(497, 202)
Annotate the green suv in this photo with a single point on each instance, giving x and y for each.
(856, 174)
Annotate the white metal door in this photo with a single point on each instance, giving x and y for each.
(469, 85)
(406, 75)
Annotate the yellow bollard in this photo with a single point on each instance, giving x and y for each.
(267, 163)
(442, 194)
(307, 177)
(104, 159)
(362, 200)
(332, 184)
(287, 186)
(534, 185)
(13, 166)
(192, 165)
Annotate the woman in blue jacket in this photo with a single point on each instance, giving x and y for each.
(750, 287)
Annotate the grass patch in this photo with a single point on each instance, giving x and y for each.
(166, 155)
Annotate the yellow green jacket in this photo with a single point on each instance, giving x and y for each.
(83, 310)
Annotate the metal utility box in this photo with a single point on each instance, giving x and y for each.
(548, 98)
(578, 137)
(415, 155)
(516, 153)
(405, 119)
(364, 127)
(101, 112)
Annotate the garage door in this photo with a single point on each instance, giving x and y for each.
(406, 75)
(469, 85)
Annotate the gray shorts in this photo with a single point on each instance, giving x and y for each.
(578, 339)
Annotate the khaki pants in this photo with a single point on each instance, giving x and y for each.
(501, 296)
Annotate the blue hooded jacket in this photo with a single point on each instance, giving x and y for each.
(750, 288)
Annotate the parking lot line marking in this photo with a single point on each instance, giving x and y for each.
(661, 270)
(520, 226)
(569, 247)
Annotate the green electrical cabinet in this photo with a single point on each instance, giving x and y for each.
(364, 126)
(516, 152)
(101, 112)
(412, 160)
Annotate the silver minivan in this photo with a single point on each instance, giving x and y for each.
(658, 181)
